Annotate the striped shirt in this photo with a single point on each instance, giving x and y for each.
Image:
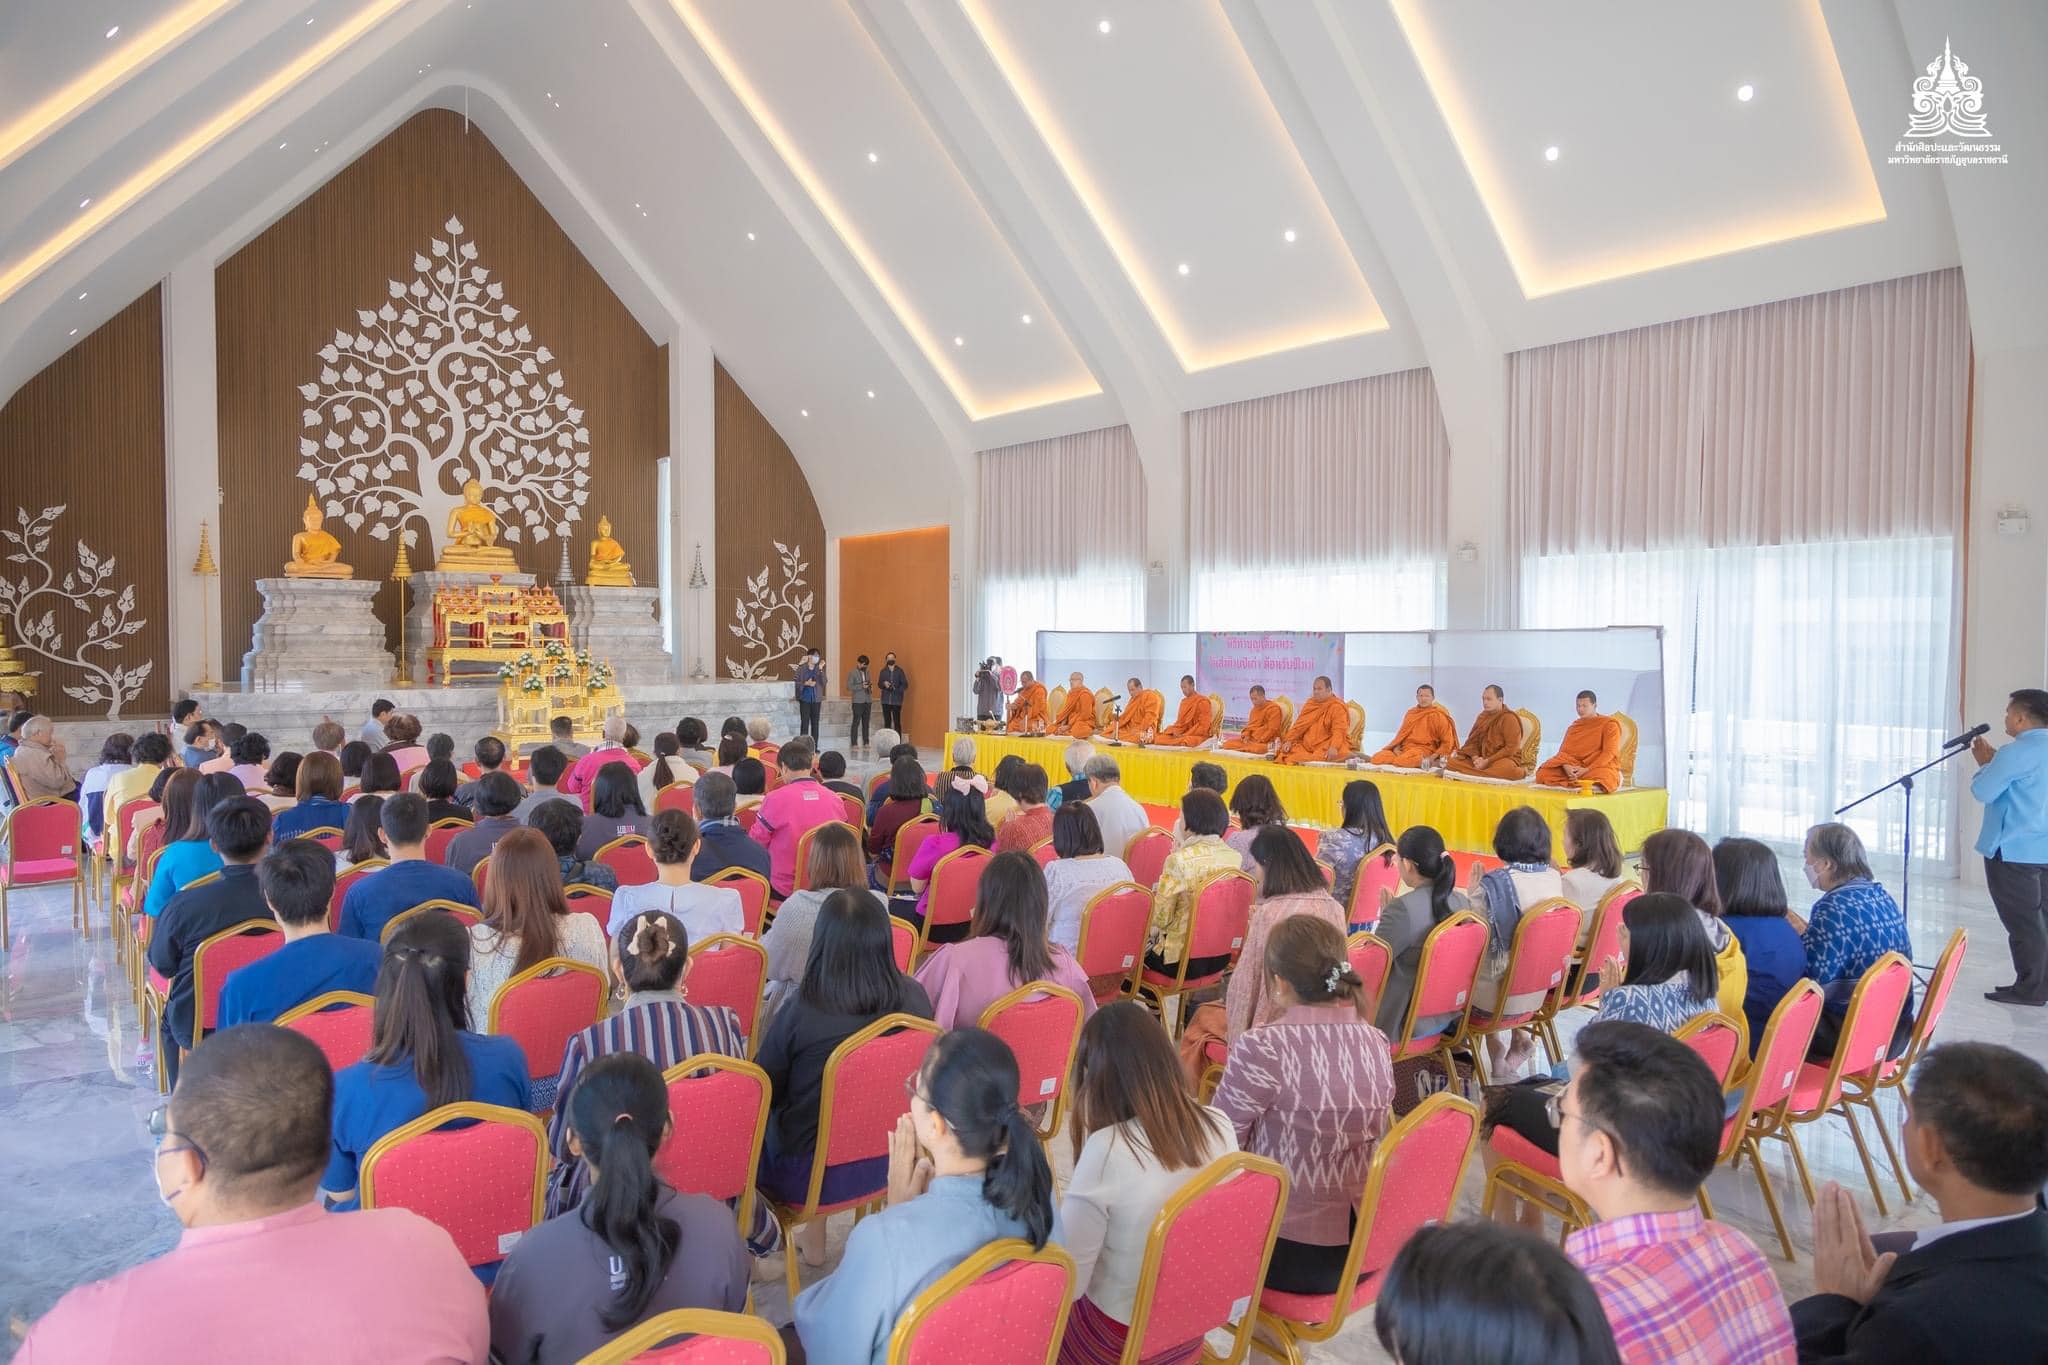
(1677, 1288)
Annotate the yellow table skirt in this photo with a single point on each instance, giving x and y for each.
(1465, 813)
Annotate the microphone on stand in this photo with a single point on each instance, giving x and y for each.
(1966, 736)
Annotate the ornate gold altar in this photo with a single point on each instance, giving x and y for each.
(489, 626)
(537, 686)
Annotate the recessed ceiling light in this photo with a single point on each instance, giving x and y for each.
(750, 236)
(1288, 235)
(1182, 267)
(873, 157)
(871, 393)
(309, 23)
(282, 145)
(1745, 93)
(85, 201)
(82, 293)
(1550, 153)
(1027, 319)
(1102, 27)
(74, 331)
(803, 412)
(607, 44)
(959, 341)
(114, 30)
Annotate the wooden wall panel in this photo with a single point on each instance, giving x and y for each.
(87, 435)
(894, 594)
(776, 596)
(282, 298)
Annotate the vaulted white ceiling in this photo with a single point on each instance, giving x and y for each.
(1006, 219)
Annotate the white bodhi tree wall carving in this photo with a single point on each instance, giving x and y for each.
(772, 620)
(108, 612)
(440, 383)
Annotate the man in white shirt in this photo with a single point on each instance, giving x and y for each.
(1120, 818)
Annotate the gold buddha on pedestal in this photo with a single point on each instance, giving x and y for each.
(473, 538)
(315, 553)
(608, 567)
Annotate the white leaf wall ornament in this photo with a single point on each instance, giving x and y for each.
(95, 654)
(786, 610)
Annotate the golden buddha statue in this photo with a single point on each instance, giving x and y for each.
(473, 537)
(608, 567)
(314, 551)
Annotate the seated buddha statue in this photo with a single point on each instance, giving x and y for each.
(314, 551)
(608, 567)
(473, 537)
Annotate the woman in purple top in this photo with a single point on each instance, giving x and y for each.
(963, 820)
(1006, 947)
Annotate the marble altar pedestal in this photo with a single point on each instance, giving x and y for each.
(317, 634)
(419, 616)
(618, 627)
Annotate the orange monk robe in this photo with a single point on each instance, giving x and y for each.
(1319, 727)
(1260, 730)
(1496, 737)
(1143, 713)
(1592, 743)
(1077, 717)
(1190, 726)
(1029, 710)
(1426, 732)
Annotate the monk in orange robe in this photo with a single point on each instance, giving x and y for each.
(1590, 752)
(1493, 746)
(1322, 729)
(1028, 712)
(1261, 729)
(1141, 715)
(1190, 728)
(1426, 732)
(1077, 717)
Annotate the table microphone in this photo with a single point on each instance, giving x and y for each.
(1966, 736)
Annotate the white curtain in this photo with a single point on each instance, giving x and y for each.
(1062, 535)
(1780, 488)
(1321, 509)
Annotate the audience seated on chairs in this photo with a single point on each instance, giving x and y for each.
(369, 904)
(1122, 819)
(963, 757)
(1211, 777)
(353, 756)
(1312, 1090)
(1082, 871)
(319, 804)
(832, 772)
(190, 855)
(1137, 1138)
(203, 745)
(1181, 878)
(372, 734)
(731, 750)
(667, 770)
(1852, 925)
(251, 755)
(835, 866)
(985, 1179)
(1481, 1294)
(1006, 947)
(1640, 1131)
(582, 774)
(693, 736)
(1969, 1288)
(749, 782)
(402, 742)
(963, 823)
(1030, 823)
(1754, 907)
(757, 732)
(631, 1248)
(900, 800)
(526, 921)
(1256, 805)
(117, 755)
(562, 825)
(239, 830)
(850, 980)
(437, 782)
(422, 1054)
(1679, 861)
(497, 804)
(380, 776)
(151, 752)
(490, 756)
(800, 804)
(362, 838)
(1364, 829)
(1075, 789)
(280, 779)
(722, 843)
(39, 762)
(259, 1273)
(1406, 920)
(328, 737)
(703, 910)
(1522, 842)
(544, 771)
(297, 881)
(1592, 864)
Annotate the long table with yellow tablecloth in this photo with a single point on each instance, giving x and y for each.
(1465, 813)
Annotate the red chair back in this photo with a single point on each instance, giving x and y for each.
(339, 1022)
(124, 828)
(235, 946)
(856, 811)
(1377, 872)
(1004, 1305)
(42, 842)
(1781, 1053)
(876, 783)
(355, 873)
(746, 816)
(1867, 1028)
(593, 901)
(1372, 959)
(484, 1183)
(693, 1336)
(544, 1006)
(480, 874)
(728, 970)
(1718, 1040)
(909, 835)
(802, 871)
(1223, 910)
(1604, 942)
(1146, 855)
(753, 889)
(864, 1095)
(1042, 1024)
(719, 1106)
(1443, 978)
(1413, 1182)
(1538, 961)
(327, 836)
(902, 942)
(1931, 1004)
(1043, 853)
(629, 857)
(1208, 1250)
(1113, 930)
(441, 834)
(680, 796)
(956, 881)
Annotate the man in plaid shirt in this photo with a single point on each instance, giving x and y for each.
(1639, 1130)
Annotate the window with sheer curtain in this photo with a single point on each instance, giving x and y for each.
(1780, 488)
(1323, 509)
(1071, 561)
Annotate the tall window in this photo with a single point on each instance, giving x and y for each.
(665, 553)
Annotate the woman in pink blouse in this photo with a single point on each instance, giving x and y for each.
(963, 820)
(1006, 947)
(1290, 883)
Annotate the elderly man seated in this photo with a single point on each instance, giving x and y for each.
(39, 763)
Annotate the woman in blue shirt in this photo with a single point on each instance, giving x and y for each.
(422, 1054)
(1852, 925)
(1754, 907)
(319, 799)
(982, 1177)
(188, 856)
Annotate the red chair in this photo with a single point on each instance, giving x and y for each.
(803, 850)
(484, 1183)
(1444, 976)
(593, 901)
(902, 942)
(1848, 1080)
(1892, 1075)
(1602, 943)
(440, 834)
(235, 946)
(1044, 853)
(1207, 1253)
(1004, 1305)
(1113, 927)
(1413, 1182)
(43, 849)
(544, 1006)
(746, 816)
(694, 1336)
(120, 870)
(718, 1107)
(949, 900)
(726, 969)
(327, 836)
(338, 1021)
(1146, 853)
(680, 796)
(908, 836)
(468, 914)
(1373, 960)
(864, 1093)
(1216, 928)
(1719, 1039)
(1379, 870)
(480, 873)
(753, 889)
(1329, 874)
(1767, 1096)
(856, 812)
(1042, 1024)
(355, 873)
(876, 783)
(1538, 960)
(629, 857)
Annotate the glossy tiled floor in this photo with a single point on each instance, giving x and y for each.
(76, 1089)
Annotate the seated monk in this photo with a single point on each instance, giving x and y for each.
(1028, 711)
(1322, 729)
(1261, 729)
(1426, 732)
(1190, 728)
(1591, 751)
(1142, 714)
(1493, 746)
(1077, 717)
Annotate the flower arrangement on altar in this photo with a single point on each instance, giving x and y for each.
(553, 681)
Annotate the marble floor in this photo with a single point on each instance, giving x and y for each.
(76, 1088)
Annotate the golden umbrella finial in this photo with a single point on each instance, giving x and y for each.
(204, 567)
(401, 570)
(204, 564)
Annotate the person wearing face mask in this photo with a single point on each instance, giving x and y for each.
(260, 1272)
(892, 683)
(810, 692)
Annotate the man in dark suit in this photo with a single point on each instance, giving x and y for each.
(239, 830)
(723, 843)
(1969, 1289)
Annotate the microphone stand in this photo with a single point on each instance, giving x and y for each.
(1905, 782)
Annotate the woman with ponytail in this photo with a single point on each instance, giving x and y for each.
(965, 1170)
(667, 769)
(1311, 1090)
(1405, 921)
(422, 1054)
(632, 1249)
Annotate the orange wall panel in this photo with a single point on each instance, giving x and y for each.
(894, 594)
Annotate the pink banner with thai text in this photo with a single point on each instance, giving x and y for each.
(1285, 663)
